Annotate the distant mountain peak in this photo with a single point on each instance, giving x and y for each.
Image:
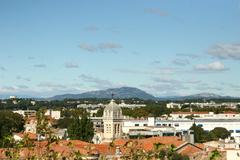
(122, 92)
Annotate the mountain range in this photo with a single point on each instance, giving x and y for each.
(131, 92)
(125, 93)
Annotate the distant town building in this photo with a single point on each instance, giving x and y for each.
(204, 104)
(31, 125)
(26, 113)
(173, 105)
(12, 97)
(53, 114)
(123, 104)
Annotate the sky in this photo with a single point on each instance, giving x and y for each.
(165, 47)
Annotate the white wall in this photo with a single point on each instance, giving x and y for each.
(233, 154)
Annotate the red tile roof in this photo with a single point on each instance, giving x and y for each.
(67, 147)
(28, 134)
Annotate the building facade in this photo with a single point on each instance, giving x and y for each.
(112, 122)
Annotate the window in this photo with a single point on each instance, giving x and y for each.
(144, 124)
(136, 124)
(231, 131)
(199, 125)
(237, 131)
(176, 125)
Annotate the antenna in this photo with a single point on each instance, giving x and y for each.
(113, 95)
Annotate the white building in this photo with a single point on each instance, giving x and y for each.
(53, 114)
(123, 104)
(177, 115)
(92, 111)
(112, 121)
(31, 125)
(173, 105)
(86, 106)
(232, 124)
(208, 124)
(26, 113)
(233, 154)
(12, 97)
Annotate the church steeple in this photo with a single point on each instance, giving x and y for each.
(112, 120)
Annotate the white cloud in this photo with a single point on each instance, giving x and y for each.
(214, 66)
(225, 51)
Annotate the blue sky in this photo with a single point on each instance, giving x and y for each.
(165, 47)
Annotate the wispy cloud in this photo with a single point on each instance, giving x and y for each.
(71, 65)
(175, 81)
(192, 56)
(101, 47)
(92, 28)
(208, 88)
(214, 66)
(156, 11)
(224, 51)
(98, 83)
(156, 62)
(160, 89)
(52, 86)
(2, 68)
(40, 65)
(31, 57)
(232, 86)
(22, 86)
(23, 78)
(8, 89)
(157, 71)
(181, 62)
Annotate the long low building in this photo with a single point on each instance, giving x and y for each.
(179, 125)
(208, 124)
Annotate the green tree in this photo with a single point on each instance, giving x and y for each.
(9, 123)
(199, 134)
(214, 155)
(43, 127)
(220, 132)
(81, 129)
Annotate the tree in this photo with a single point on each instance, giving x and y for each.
(9, 123)
(43, 127)
(64, 123)
(214, 155)
(199, 134)
(220, 132)
(81, 129)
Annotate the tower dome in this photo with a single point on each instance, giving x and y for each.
(112, 110)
